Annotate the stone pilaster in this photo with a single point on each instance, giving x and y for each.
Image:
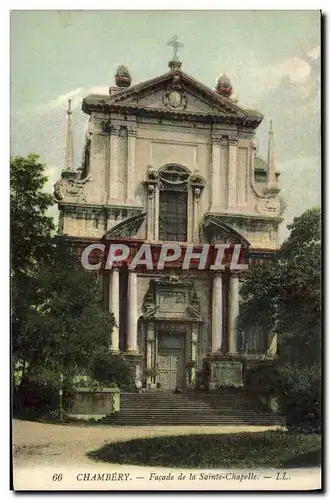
(215, 171)
(217, 314)
(272, 344)
(151, 189)
(150, 353)
(232, 177)
(114, 307)
(196, 213)
(114, 173)
(132, 313)
(156, 212)
(194, 342)
(131, 165)
(233, 312)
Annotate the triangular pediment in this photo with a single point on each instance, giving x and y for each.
(175, 92)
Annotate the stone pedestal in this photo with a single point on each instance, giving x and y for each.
(225, 372)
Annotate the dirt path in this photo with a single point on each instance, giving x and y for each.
(48, 444)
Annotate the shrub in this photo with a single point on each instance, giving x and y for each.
(264, 379)
(107, 368)
(300, 398)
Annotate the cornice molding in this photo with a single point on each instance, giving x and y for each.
(209, 117)
(89, 210)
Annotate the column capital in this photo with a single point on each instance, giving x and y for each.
(132, 130)
(197, 191)
(216, 138)
(151, 190)
(237, 273)
(233, 140)
(110, 128)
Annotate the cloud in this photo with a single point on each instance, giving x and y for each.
(287, 91)
(294, 68)
(76, 97)
(315, 53)
(62, 100)
(257, 80)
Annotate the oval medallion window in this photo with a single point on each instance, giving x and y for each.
(174, 174)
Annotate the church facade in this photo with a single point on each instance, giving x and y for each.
(172, 161)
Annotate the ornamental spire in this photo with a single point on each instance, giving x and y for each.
(69, 145)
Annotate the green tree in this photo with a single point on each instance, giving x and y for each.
(31, 231)
(67, 324)
(58, 322)
(283, 296)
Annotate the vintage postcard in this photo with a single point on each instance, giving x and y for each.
(165, 250)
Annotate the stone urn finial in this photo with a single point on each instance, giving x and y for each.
(122, 77)
(223, 86)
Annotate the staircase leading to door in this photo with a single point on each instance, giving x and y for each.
(162, 408)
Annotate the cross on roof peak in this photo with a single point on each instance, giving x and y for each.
(175, 44)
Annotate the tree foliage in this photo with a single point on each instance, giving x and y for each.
(67, 324)
(58, 322)
(109, 369)
(31, 230)
(283, 296)
(31, 227)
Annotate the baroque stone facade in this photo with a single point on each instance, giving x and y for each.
(173, 160)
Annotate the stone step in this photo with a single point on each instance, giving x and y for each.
(231, 407)
(191, 421)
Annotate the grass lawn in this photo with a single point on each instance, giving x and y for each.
(261, 449)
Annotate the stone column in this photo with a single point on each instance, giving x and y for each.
(132, 313)
(216, 171)
(233, 312)
(131, 165)
(114, 173)
(217, 314)
(114, 306)
(232, 186)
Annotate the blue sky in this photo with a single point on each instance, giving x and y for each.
(272, 58)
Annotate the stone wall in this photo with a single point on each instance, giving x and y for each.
(93, 404)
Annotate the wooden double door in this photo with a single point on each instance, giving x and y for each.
(171, 368)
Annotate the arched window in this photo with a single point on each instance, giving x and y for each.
(173, 203)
